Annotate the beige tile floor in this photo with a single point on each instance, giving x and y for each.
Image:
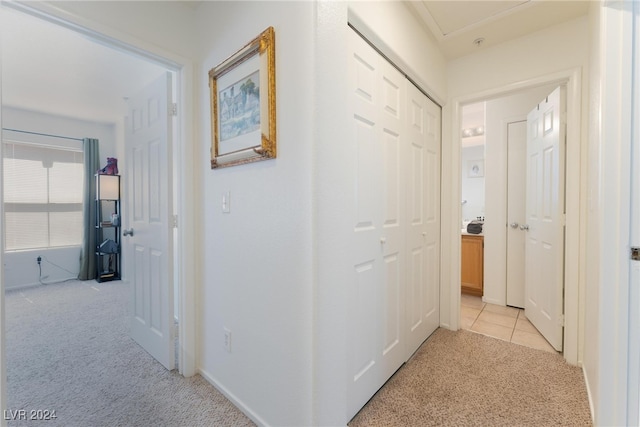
(505, 323)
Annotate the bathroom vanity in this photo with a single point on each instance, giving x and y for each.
(472, 257)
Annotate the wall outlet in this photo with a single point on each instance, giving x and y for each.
(227, 340)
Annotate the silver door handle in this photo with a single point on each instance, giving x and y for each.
(524, 227)
(513, 225)
(128, 232)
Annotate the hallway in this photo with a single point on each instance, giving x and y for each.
(464, 378)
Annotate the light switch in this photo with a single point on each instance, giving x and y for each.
(226, 202)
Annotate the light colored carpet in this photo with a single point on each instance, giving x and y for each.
(466, 379)
(68, 350)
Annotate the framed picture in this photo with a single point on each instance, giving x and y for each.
(243, 104)
(475, 168)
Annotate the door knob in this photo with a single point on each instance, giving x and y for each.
(383, 240)
(128, 232)
(513, 225)
(524, 227)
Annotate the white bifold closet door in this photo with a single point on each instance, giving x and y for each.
(394, 291)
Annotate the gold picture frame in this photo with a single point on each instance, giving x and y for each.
(243, 104)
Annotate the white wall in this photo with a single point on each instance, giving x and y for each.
(473, 190)
(495, 71)
(257, 272)
(58, 264)
(553, 49)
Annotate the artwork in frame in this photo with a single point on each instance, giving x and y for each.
(243, 104)
(475, 168)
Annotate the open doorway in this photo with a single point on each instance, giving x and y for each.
(493, 181)
(54, 103)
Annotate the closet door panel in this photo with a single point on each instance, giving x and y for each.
(365, 288)
(392, 238)
(423, 228)
(390, 297)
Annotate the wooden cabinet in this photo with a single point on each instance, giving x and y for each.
(472, 274)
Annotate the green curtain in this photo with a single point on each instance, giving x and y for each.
(87, 254)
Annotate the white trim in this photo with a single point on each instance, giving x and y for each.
(633, 384)
(3, 364)
(616, 54)
(574, 285)
(187, 238)
(589, 394)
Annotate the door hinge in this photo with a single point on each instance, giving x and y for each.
(175, 221)
(173, 109)
(635, 254)
(561, 321)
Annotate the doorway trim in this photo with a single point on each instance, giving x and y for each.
(574, 232)
(183, 159)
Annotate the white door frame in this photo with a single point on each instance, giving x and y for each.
(574, 282)
(614, 376)
(633, 384)
(3, 365)
(184, 158)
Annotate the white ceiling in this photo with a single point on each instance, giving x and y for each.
(51, 69)
(457, 24)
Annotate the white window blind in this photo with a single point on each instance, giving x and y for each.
(42, 196)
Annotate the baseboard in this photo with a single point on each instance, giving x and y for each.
(237, 402)
(591, 407)
(43, 283)
(21, 286)
(492, 301)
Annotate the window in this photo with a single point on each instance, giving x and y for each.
(43, 188)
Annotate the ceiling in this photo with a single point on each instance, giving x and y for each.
(50, 69)
(458, 25)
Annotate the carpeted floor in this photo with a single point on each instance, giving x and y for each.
(68, 351)
(466, 379)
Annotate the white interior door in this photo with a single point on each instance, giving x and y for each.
(376, 292)
(544, 263)
(149, 247)
(516, 184)
(423, 218)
